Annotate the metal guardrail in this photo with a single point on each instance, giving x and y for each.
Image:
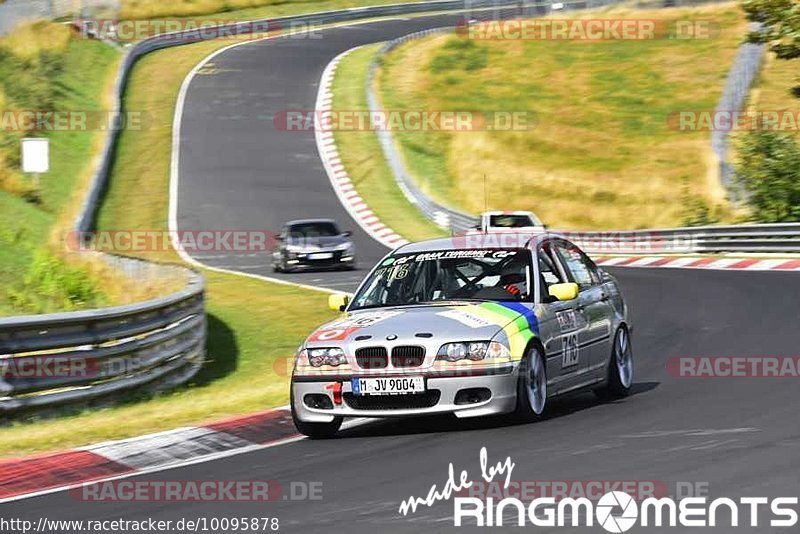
(742, 75)
(753, 238)
(54, 359)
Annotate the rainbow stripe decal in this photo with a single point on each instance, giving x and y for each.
(519, 323)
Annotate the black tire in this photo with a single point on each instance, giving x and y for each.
(525, 411)
(315, 430)
(615, 387)
(284, 267)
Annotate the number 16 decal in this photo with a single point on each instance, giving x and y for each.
(570, 350)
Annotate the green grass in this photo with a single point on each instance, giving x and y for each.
(601, 154)
(27, 220)
(364, 160)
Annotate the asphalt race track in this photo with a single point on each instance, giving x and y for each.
(738, 436)
(238, 171)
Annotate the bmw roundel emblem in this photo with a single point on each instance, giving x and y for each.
(391, 337)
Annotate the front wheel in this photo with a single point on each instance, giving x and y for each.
(531, 387)
(620, 367)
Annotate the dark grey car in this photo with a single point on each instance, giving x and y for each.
(313, 244)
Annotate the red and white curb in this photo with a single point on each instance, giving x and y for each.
(694, 262)
(337, 174)
(48, 473)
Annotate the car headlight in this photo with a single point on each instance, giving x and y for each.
(325, 356)
(472, 350)
(345, 246)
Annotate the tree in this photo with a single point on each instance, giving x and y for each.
(781, 20)
(769, 172)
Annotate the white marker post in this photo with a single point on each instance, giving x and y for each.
(35, 157)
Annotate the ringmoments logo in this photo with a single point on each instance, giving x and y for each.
(615, 511)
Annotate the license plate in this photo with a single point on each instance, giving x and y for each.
(388, 386)
(320, 256)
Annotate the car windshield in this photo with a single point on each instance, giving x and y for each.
(510, 221)
(313, 229)
(447, 275)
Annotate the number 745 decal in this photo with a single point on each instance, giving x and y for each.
(569, 350)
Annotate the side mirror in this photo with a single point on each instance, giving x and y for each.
(279, 238)
(564, 291)
(339, 301)
(347, 233)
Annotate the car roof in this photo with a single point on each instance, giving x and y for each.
(308, 221)
(479, 240)
(501, 212)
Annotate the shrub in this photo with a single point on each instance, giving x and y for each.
(460, 54)
(52, 284)
(768, 171)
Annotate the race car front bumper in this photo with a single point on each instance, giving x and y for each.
(306, 260)
(486, 393)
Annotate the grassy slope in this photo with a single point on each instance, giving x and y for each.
(253, 325)
(601, 155)
(88, 67)
(363, 158)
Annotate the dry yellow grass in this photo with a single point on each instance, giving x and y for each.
(29, 40)
(145, 9)
(601, 154)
